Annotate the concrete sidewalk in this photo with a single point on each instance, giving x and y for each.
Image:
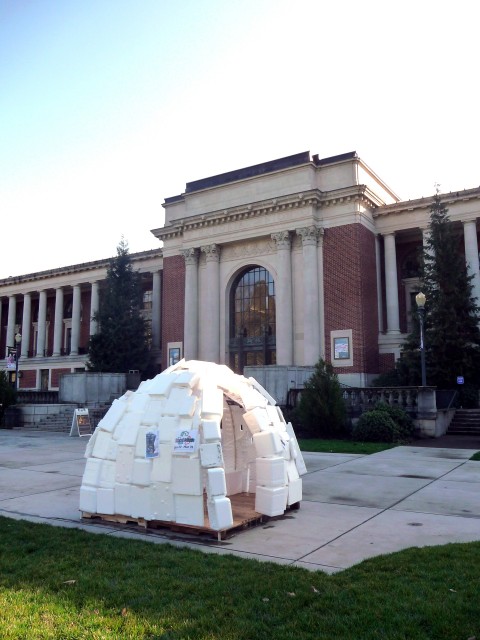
(354, 507)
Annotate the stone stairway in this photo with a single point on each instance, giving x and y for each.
(465, 422)
(62, 421)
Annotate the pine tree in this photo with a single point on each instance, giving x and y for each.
(452, 335)
(121, 342)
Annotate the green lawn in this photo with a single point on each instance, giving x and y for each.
(342, 446)
(476, 456)
(64, 583)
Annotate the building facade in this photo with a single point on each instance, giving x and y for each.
(276, 264)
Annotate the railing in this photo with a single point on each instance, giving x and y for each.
(37, 397)
(358, 399)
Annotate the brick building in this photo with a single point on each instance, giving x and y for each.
(275, 264)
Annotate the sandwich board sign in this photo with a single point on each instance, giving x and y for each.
(81, 423)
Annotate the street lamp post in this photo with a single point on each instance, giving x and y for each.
(18, 341)
(420, 300)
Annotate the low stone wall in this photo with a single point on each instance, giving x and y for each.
(85, 388)
(28, 416)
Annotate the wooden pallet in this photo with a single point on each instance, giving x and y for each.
(243, 511)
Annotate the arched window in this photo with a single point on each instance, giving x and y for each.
(252, 319)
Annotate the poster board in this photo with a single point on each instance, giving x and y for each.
(81, 423)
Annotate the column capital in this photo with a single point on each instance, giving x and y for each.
(211, 251)
(190, 256)
(282, 239)
(310, 235)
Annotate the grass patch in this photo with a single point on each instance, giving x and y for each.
(343, 446)
(476, 456)
(63, 583)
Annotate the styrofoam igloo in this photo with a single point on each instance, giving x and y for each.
(184, 443)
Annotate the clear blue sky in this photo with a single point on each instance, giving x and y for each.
(109, 106)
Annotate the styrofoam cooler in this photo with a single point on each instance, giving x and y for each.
(107, 474)
(123, 499)
(162, 466)
(212, 401)
(106, 501)
(292, 471)
(88, 499)
(294, 491)
(219, 513)
(91, 474)
(189, 510)
(140, 503)
(141, 472)
(124, 464)
(256, 420)
(187, 476)
(103, 440)
(211, 454)
(113, 415)
(211, 430)
(167, 428)
(234, 480)
(216, 484)
(271, 472)
(271, 501)
(162, 502)
(267, 443)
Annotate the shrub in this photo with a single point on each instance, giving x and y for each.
(321, 411)
(403, 421)
(7, 394)
(375, 426)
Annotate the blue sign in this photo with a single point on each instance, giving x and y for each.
(460, 380)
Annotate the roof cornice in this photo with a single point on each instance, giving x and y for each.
(426, 203)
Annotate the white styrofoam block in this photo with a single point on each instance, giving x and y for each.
(234, 481)
(212, 401)
(91, 443)
(161, 384)
(138, 403)
(142, 470)
(180, 402)
(91, 473)
(292, 471)
(187, 476)
(162, 502)
(251, 398)
(189, 510)
(162, 466)
(256, 420)
(124, 464)
(295, 449)
(88, 499)
(140, 502)
(123, 499)
(106, 500)
(267, 443)
(141, 443)
(285, 440)
(271, 501)
(256, 385)
(211, 430)
(153, 412)
(273, 418)
(250, 478)
(126, 430)
(107, 474)
(211, 454)
(112, 449)
(102, 444)
(271, 472)
(186, 379)
(294, 491)
(219, 513)
(113, 415)
(216, 484)
(167, 428)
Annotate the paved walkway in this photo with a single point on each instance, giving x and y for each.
(354, 507)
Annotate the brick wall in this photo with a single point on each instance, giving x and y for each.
(28, 379)
(351, 293)
(173, 302)
(386, 362)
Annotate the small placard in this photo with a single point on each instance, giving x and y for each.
(81, 423)
(460, 380)
(151, 444)
(186, 441)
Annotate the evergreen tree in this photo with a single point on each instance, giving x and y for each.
(452, 335)
(121, 342)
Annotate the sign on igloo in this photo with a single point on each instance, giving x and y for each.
(185, 444)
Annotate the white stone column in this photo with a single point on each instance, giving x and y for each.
(283, 299)
(26, 324)
(311, 330)
(42, 323)
(58, 324)
(321, 292)
(76, 310)
(12, 314)
(94, 303)
(378, 263)
(212, 303)
(471, 255)
(156, 310)
(190, 327)
(391, 284)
